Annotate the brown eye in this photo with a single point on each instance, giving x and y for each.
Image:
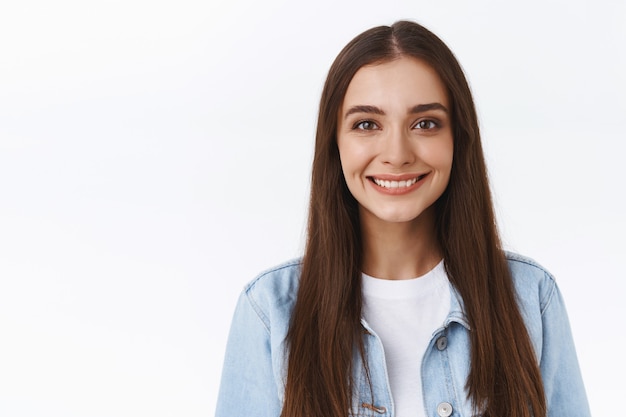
(365, 125)
(426, 124)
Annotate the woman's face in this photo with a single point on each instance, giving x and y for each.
(395, 139)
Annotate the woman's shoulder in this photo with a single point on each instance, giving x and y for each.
(526, 267)
(284, 275)
(275, 289)
(532, 281)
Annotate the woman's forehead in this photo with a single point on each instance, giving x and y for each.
(396, 84)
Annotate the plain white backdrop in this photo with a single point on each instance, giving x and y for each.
(154, 157)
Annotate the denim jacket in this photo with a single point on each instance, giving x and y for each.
(254, 372)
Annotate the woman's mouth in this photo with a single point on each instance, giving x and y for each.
(396, 184)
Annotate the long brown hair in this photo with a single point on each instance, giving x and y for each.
(325, 330)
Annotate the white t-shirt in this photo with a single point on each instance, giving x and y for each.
(404, 314)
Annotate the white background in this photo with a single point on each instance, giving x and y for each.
(154, 157)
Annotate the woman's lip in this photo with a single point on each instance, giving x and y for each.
(397, 187)
(397, 177)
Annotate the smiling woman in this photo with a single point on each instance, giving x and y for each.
(404, 303)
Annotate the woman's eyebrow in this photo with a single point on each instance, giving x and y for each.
(364, 109)
(420, 108)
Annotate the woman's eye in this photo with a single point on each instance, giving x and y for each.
(365, 125)
(426, 124)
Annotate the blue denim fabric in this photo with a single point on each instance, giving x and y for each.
(254, 372)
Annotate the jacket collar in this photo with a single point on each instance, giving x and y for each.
(457, 310)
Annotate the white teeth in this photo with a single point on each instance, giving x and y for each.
(395, 184)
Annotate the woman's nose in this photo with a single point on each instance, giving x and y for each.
(397, 149)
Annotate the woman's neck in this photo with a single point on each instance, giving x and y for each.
(399, 250)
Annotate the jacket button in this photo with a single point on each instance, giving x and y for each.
(444, 409)
(442, 343)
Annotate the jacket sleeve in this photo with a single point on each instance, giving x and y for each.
(564, 389)
(248, 387)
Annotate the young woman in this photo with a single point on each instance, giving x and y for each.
(404, 303)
